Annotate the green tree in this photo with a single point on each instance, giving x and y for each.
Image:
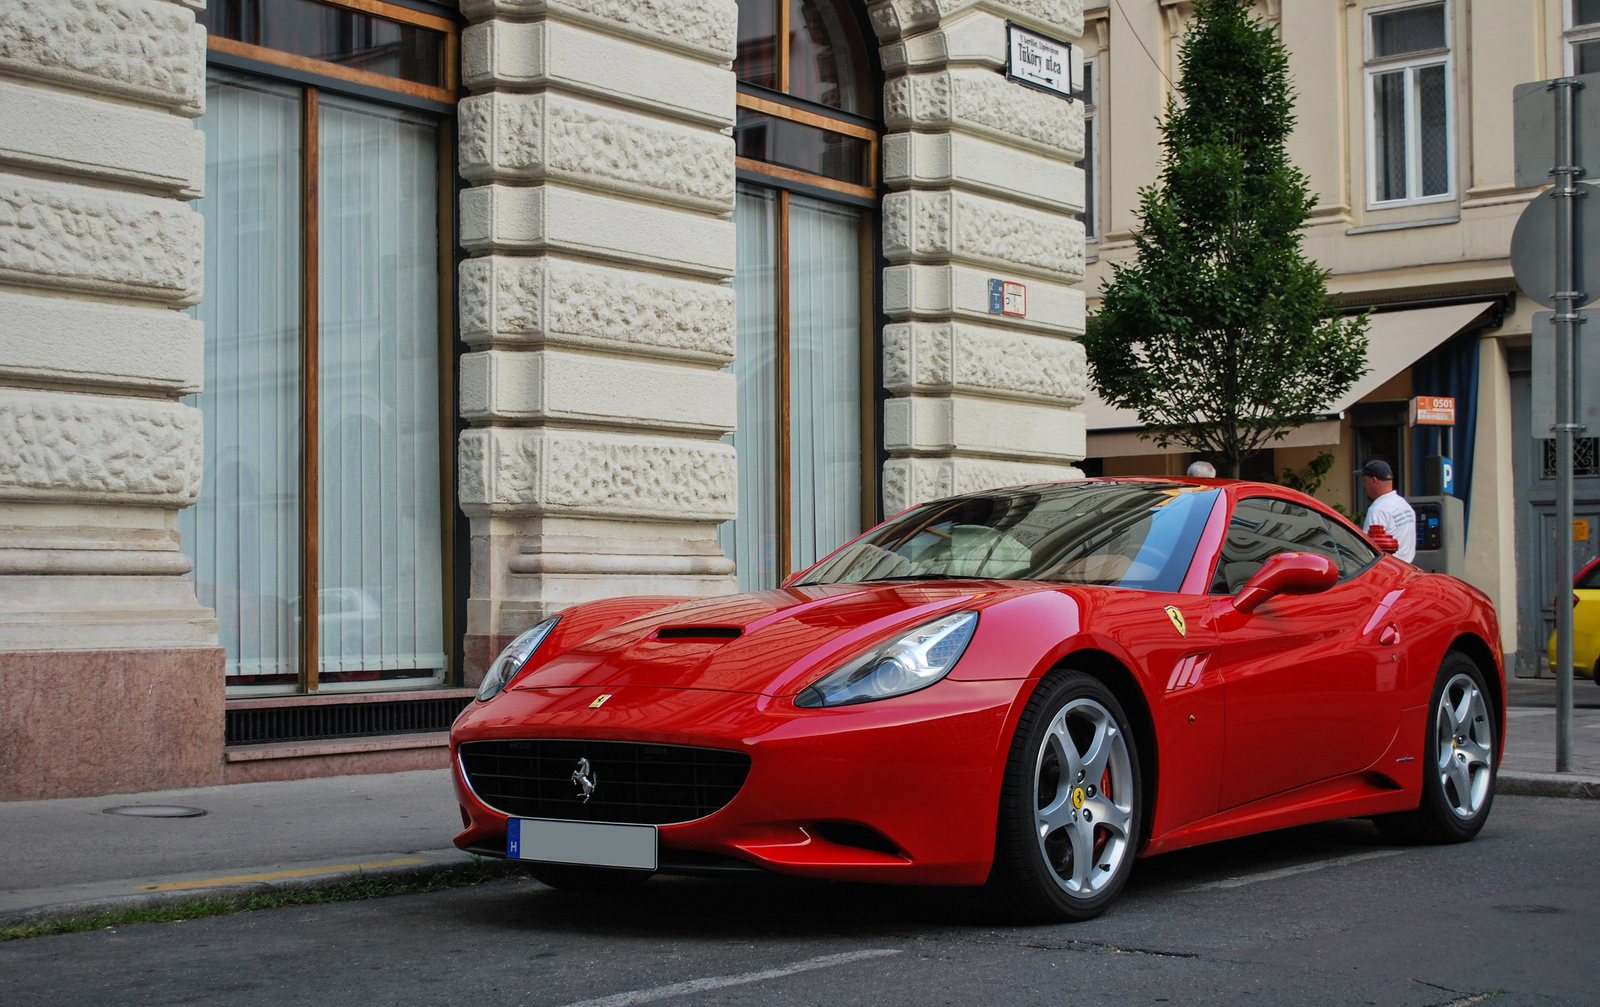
(1221, 334)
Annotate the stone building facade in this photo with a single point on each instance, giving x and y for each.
(448, 318)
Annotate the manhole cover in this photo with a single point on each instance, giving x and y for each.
(156, 811)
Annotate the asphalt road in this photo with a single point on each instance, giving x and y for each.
(1325, 914)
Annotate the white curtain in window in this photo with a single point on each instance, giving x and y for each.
(381, 606)
(824, 377)
(751, 541)
(244, 534)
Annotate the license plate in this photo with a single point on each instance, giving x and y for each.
(589, 844)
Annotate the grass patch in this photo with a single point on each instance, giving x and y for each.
(354, 890)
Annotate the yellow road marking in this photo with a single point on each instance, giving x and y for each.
(275, 875)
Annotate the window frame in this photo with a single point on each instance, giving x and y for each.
(1091, 134)
(1409, 63)
(312, 77)
(1574, 34)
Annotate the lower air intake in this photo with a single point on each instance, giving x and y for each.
(632, 782)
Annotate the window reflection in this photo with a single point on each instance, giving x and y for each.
(757, 58)
(806, 148)
(827, 65)
(333, 35)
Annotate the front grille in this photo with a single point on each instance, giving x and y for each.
(634, 783)
(279, 724)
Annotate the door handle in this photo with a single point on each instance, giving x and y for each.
(1389, 637)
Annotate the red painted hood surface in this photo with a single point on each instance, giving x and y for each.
(787, 638)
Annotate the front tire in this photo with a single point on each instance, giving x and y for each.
(1459, 761)
(1070, 805)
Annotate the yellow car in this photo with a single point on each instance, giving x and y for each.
(1585, 622)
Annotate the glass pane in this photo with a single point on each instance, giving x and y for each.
(757, 59)
(752, 541)
(334, 34)
(1585, 12)
(1137, 535)
(1263, 528)
(244, 534)
(1087, 164)
(1412, 29)
(381, 610)
(827, 60)
(793, 144)
(1433, 127)
(1586, 56)
(824, 378)
(1088, 84)
(1389, 134)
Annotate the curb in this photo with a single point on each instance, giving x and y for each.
(1548, 785)
(486, 870)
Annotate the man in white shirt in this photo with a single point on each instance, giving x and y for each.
(1388, 508)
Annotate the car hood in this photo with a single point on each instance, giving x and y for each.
(771, 642)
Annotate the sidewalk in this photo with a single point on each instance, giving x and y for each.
(68, 858)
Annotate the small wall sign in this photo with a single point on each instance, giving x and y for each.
(1041, 62)
(1007, 298)
(1433, 410)
(1580, 530)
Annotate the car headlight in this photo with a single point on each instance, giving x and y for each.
(511, 660)
(914, 661)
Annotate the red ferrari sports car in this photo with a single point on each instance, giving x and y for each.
(1023, 688)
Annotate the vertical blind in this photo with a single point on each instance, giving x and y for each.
(381, 564)
(824, 389)
(824, 378)
(244, 534)
(752, 541)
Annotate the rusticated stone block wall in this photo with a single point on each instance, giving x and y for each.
(100, 251)
(595, 304)
(982, 188)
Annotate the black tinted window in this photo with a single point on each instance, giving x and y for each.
(1355, 552)
(1262, 528)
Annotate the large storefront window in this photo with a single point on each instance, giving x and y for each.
(325, 369)
(807, 158)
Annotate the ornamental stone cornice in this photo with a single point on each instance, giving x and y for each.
(937, 226)
(985, 103)
(96, 449)
(931, 358)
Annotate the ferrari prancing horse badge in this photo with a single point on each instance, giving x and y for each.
(1177, 621)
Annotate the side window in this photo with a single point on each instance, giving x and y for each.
(1262, 528)
(1355, 552)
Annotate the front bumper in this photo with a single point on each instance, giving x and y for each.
(922, 771)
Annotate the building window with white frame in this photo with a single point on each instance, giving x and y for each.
(1583, 36)
(1409, 157)
(1091, 177)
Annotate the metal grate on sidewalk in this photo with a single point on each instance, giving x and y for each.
(283, 724)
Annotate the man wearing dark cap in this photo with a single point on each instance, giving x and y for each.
(1388, 508)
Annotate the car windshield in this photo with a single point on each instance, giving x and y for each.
(1120, 534)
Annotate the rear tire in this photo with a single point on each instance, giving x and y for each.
(569, 878)
(1459, 761)
(1070, 805)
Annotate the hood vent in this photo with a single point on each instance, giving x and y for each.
(698, 633)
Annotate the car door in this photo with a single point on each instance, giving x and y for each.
(1304, 695)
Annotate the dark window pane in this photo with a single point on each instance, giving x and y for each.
(806, 148)
(1435, 154)
(1355, 553)
(1389, 134)
(1087, 164)
(1262, 528)
(1413, 29)
(827, 59)
(1586, 56)
(1088, 83)
(1585, 12)
(333, 34)
(757, 59)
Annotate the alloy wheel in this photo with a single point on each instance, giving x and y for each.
(1084, 794)
(1465, 756)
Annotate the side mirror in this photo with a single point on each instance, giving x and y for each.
(1287, 573)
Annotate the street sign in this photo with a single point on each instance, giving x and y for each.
(1007, 298)
(1433, 411)
(1044, 63)
(1586, 367)
(1533, 118)
(1533, 246)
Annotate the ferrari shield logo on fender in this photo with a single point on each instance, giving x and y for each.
(1177, 621)
(585, 779)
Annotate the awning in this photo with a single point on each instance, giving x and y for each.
(1395, 341)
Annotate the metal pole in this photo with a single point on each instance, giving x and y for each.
(1567, 298)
